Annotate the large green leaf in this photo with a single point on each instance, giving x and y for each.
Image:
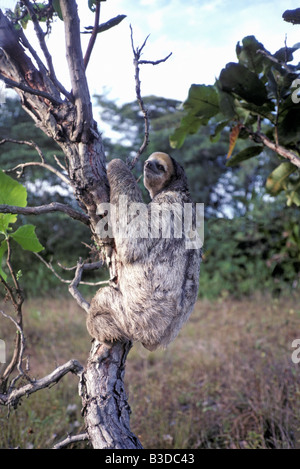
(235, 78)
(11, 193)
(249, 56)
(243, 155)
(26, 237)
(202, 101)
(278, 178)
(226, 103)
(202, 104)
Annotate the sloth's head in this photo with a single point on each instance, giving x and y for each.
(160, 171)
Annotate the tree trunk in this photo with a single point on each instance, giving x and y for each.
(105, 406)
(70, 123)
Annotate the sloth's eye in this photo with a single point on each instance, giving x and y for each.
(160, 167)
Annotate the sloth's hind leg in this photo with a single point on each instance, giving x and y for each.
(104, 310)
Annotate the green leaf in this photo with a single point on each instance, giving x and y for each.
(236, 78)
(277, 179)
(227, 103)
(189, 125)
(26, 237)
(56, 6)
(202, 104)
(214, 137)
(3, 249)
(243, 155)
(202, 101)
(248, 55)
(11, 193)
(5, 220)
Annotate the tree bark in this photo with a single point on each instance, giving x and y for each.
(70, 123)
(105, 405)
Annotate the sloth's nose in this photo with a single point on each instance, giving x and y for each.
(150, 164)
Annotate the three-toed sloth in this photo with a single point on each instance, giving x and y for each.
(157, 271)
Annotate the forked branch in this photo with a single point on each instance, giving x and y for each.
(137, 53)
(13, 397)
(41, 209)
(27, 89)
(280, 150)
(42, 163)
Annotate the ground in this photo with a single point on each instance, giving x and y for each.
(227, 381)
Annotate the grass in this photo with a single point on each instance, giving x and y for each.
(227, 381)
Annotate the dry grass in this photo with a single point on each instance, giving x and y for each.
(228, 380)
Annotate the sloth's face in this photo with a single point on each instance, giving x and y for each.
(158, 169)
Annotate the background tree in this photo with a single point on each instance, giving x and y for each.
(256, 100)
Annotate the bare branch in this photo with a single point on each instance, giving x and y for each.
(280, 150)
(41, 209)
(87, 267)
(17, 298)
(80, 90)
(93, 36)
(74, 290)
(22, 166)
(71, 439)
(154, 62)
(50, 267)
(59, 163)
(12, 398)
(20, 353)
(27, 89)
(136, 55)
(137, 52)
(41, 38)
(30, 143)
(33, 163)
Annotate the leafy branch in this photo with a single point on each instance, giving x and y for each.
(254, 98)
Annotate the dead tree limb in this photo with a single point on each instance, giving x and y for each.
(71, 439)
(13, 397)
(137, 52)
(41, 209)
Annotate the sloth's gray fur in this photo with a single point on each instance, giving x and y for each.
(157, 279)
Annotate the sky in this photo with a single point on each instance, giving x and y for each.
(202, 36)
